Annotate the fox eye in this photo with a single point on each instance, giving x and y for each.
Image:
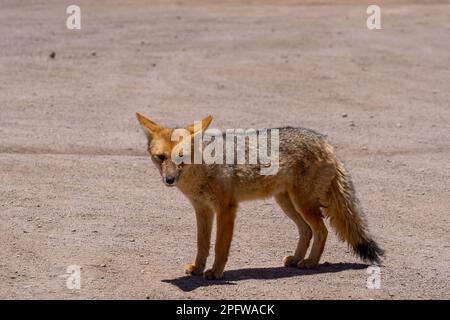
(161, 157)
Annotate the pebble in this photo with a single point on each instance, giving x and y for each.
(93, 53)
(103, 265)
(344, 115)
(52, 55)
(398, 125)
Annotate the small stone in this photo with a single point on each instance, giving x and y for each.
(352, 124)
(93, 53)
(52, 55)
(39, 226)
(103, 265)
(132, 240)
(398, 125)
(74, 230)
(344, 115)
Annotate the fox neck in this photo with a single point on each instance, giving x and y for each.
(191, 176)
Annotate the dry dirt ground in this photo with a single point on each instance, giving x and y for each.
(77, 187)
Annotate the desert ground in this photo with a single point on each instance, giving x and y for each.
(78, 188)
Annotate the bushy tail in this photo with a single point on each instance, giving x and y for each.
(347, 217)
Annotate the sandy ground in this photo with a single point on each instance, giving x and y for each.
(77, 187)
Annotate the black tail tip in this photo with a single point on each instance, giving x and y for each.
(369, 251)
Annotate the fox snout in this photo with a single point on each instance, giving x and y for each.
(169, 173)
(170, 181)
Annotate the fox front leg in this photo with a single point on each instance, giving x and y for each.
(204, 217)
(225, 226)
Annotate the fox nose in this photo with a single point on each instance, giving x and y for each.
(169, 180)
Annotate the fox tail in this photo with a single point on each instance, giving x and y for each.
(347, 217)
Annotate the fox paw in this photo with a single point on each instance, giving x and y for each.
(192, 269)
(212, 274)
(307, 264)
(290, 261)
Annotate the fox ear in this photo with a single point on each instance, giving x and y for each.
(205, 123)
(149, 126)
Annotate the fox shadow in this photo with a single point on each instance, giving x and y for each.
(190, 283)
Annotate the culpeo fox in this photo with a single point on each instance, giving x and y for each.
(309, 185)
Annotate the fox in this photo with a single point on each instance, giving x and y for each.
(310, 185)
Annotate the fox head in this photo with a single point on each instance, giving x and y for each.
(162, 142)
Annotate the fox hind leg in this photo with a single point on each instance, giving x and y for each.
(304, 230)
(313, 217)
